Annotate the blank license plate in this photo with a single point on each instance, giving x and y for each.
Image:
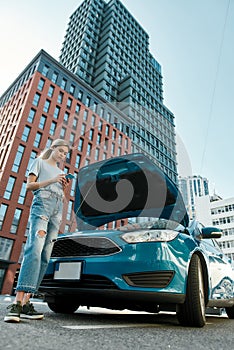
(67, 271)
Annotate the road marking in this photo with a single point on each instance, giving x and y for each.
(99, 326)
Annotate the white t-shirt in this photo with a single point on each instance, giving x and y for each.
(44, 171)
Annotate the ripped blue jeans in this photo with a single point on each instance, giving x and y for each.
(45, 215)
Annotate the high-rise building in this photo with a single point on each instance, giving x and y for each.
(195, 193)
(45, 102)
(106, 47)
(222, 214)
(105, 97)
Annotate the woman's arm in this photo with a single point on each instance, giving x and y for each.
(33, 185)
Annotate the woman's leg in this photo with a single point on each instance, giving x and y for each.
(52, 233)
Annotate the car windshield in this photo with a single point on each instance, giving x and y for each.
(152, 225)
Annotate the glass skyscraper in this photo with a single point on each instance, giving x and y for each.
(106, 47)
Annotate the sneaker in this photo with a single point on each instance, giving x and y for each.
(14, 312)
(29, 312)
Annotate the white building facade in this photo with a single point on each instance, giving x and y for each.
(222, 213)
(195, 193)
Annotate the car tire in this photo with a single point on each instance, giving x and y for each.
(192, 312)
(63, 306)
(230, 312)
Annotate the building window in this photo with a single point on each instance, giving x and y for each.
(52, 128)
(56, 112)
(73, 186)
(78, 158)
(95, 107)
(97, 152)
(107, 130)
(46, 106)
(102, 112)
(69, 103)
(80, 95)
(77, 108)
(87, 101)
(41, 84)
(51, 91)
(49, 143)
(9, 187)
(91, 133)
(63, 83)
(85, 116)
(26, 133)
(99, 137)
(60, 98)
(31, 159)
(45, 70)
(93, 120)
(36, 99)
(63, 133)
(54, 77)
(72, 138)
(37, 140)
(22, 195)
(80, 145)
(31, 115)
(89, 149)
(3, 210)
(72, 89)
(5, 248)
(42, 122)
(100, 125)
(83, 128)
(16, 220)
(18, 158)
(66, 117)
(75, 123)
(69, 210)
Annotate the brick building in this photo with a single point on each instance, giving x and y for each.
(45, 102)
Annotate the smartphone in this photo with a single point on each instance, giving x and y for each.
(69, 176)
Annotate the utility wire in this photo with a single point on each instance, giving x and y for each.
(215, 84)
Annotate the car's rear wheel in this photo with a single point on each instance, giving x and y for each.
(230, 312)
(192, 312)
(63, 305)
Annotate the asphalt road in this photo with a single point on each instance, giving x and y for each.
(101, 329)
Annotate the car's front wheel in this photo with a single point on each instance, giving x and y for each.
(63, 305)
(230, 312)
(192, 312)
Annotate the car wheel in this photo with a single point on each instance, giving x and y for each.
(230, 312)
(192, 312)
(63, 306)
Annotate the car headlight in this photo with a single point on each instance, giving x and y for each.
(149, 236)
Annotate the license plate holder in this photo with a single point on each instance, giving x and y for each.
(68, 270)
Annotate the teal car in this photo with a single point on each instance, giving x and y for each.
(136, 248)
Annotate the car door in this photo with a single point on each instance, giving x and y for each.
(220, 271)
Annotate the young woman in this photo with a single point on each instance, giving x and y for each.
(47, 182)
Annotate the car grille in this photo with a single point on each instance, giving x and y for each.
(158, 279)
(84, 246)
(86, 281)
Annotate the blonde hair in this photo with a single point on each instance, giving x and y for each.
(56, 143)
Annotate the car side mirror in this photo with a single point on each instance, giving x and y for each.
(211, 232)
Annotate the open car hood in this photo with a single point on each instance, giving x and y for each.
(125, 187)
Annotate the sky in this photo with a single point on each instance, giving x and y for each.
(192, 41)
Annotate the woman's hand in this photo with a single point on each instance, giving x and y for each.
(60, 178)
(33, 185)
